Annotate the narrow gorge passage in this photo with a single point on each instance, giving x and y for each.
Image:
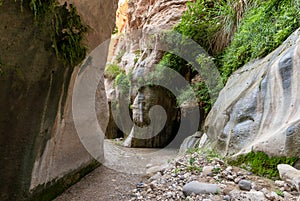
(96, 93)
(122, 170)
(124, 167)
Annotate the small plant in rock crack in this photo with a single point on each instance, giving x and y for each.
(216, 170)
(261, 164)
(192, 167)
(177, 170)
(192, 161)
(280, 193)
(112, 71)
(192, 150)
(119, 56)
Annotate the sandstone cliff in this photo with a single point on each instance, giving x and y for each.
(130, 54)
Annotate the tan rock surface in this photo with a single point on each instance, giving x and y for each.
(64, 152)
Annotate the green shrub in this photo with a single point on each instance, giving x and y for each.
(112, 71)
(185, 96)
(206, 89)
(280, 193)
(69, 34)
(123, 82)
(261, 164)
(67, 29)
(198, 90)
(137, 56)
(263, 28)
(174, 62)
(119, 56)
(234, 32)
(212, 23)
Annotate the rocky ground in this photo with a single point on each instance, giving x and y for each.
(193, 176)
(198, 176)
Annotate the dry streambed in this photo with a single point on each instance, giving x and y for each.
(199, 176)
(193, 176)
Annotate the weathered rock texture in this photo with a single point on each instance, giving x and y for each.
(41, 153)
(152, 137)
(144, 16)
(121, 16)
(259, 106)
(290, 175)
(99, 15)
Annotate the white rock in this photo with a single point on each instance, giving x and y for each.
(200, 188)
(170, 194)
(287, 196)
(289, 175)
(265, 191)
(207, 170)
(229, 169)
(249, 196)
(149, 165)
(237, 180)
(203, 140)
(279, 183)
(274, 196)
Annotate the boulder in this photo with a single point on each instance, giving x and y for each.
(200, 188)
(290, 175)
(190, 142)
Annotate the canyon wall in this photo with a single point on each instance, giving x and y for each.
(258, 109)
(130, 53)
(41, 153)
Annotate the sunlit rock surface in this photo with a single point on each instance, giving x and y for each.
(131, 54)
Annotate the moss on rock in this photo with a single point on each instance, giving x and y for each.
(261, 164)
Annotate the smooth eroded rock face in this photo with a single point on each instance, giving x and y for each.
(155, 130)
(41, 153)
(190, 142)
(259, 106)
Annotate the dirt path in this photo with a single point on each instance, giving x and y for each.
(102, 184)
(122, 170)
